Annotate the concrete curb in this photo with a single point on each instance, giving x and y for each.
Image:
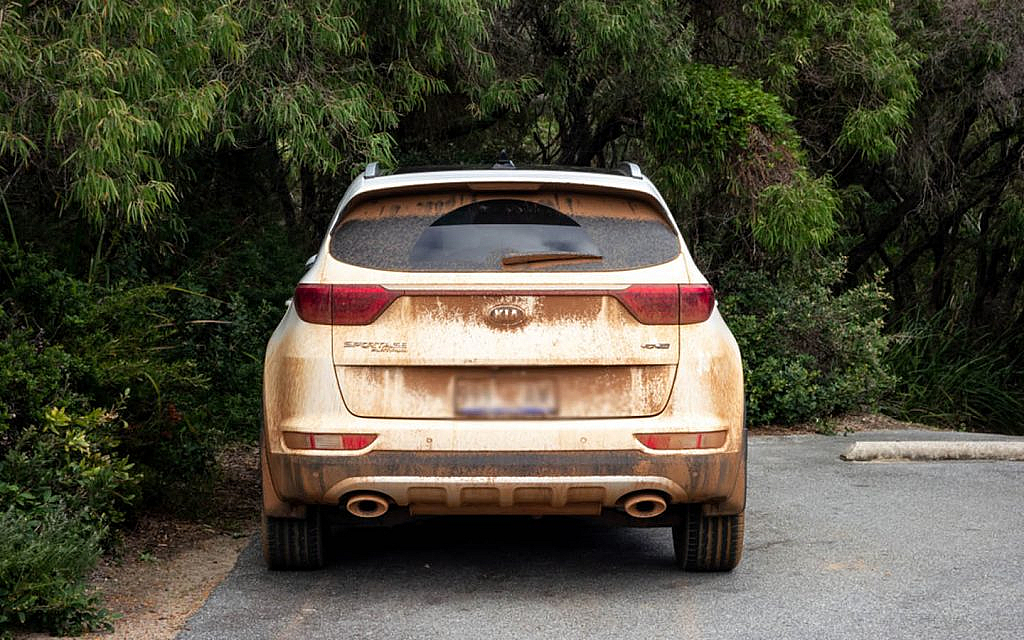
(932, 450)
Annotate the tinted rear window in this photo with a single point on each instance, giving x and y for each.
(492, 232)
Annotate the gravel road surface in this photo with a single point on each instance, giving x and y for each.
(834, 549)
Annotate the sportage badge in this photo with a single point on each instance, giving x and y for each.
(506, 315)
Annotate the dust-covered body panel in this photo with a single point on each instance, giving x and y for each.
(504, 342)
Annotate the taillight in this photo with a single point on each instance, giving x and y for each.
(328, 441)
(700, 440)
(652, 303)
(668, 303)
(362, 304)
(696, 302)
(341, 304)
(313, 303)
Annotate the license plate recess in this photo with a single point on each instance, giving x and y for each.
(498, 397)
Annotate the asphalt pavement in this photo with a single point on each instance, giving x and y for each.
(834, 549)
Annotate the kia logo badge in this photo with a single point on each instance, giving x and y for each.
(506, 315)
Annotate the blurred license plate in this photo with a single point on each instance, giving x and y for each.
(505, 398)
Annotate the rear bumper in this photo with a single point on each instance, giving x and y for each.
(510, 482)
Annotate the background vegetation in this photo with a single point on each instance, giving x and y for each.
(850, 175)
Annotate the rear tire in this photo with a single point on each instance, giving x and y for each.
(291, 544)
(708, 543)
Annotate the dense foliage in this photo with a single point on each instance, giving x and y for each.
(62, 482)
(808, 353)
(62, 487)
(849, 175)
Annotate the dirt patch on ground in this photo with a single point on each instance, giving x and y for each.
(850, 423)
(154, 595)
(166, 566)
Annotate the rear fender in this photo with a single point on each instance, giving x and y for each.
(299, 382)
(273, 505)
(709, 381)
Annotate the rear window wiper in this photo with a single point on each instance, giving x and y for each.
(547, 256)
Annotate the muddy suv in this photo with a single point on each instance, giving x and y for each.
(503, 341)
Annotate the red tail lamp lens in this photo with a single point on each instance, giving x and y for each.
(652, 303)
(328, 441)
(696, 302)
(360, 304)
(313, 303)
(342, 304)
(668, 303)
(701, 440)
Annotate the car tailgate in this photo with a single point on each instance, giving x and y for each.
(511, 353)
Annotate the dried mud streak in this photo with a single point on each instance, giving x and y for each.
(572, 327)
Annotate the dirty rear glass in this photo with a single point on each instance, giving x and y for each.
(495, 232)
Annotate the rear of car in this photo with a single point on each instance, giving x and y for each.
(503, 342)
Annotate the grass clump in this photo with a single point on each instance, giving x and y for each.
(64, 487)
(953, 376)
(44, 554)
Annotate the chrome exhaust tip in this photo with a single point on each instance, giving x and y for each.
(645, 505)
(367, 505)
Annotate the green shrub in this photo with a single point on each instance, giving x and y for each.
(226, 339)
(33, 374)
(72, 458)
(44, 555)
(807, 352)
(70, 472)
(63, 486)
(240, 276)
(75, 344)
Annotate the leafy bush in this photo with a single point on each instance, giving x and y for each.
(67, 347)
(64, 486)
(75, 344)
(32, 374)
(44, 554)
(701, 122)
(70, 473)
(807, 352)
(72, 458)
(795, 217)
(954, 376)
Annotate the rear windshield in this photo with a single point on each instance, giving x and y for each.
(495, 232)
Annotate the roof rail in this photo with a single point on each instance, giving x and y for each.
(503, 161)
(631, 169)
(371, 170)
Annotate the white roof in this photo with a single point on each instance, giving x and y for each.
(640, 185)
